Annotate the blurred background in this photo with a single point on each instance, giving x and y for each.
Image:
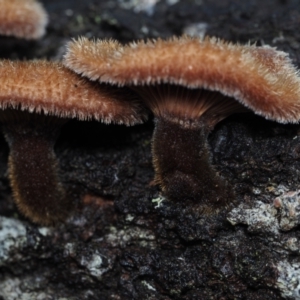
(270, 22)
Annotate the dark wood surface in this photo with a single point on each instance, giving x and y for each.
(119, 244)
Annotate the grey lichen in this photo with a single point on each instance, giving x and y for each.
(260, 217)
(283, 214)
(289, 279)
(124, 237)
(95, 265)
(288, 205)
(146, 6)
(273, 220)
(13, 289)
(12, 238)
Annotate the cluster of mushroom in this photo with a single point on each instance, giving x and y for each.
(36, 99)
(189, 85)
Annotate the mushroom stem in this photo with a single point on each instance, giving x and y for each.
(181, 157)
(183, 165)
(33, 170)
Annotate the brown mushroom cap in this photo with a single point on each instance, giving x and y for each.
(22, 18)
(51, 88)
(35, 100)
(261, 78)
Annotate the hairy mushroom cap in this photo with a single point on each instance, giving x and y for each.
(51, 88)
(261, 78)
(35, 100)
(22, 18)
(191, 84)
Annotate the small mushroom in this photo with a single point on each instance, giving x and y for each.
(190, 85)
(22, 18)
(36, 99)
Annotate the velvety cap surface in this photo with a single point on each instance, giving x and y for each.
(51, 88)
(22, 18)
(261, 78)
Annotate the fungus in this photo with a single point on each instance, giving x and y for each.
(190, 85)
(22, 18)
(36, 98)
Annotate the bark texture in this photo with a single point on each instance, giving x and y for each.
(124, 241)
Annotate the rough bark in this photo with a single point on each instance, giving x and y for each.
(124, 241)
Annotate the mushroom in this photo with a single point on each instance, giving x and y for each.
(190, 85)
(22, 18)
(36, 99)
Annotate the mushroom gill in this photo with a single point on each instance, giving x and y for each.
(36, 99)
(190, 85)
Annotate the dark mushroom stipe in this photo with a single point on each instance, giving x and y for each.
(183, 119)
(183, 165)
(33, 167)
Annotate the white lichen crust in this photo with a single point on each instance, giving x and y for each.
(260, 217)
(289, 279)
(289, 207)
(12, 238)
(273, 220)
(283, 214)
